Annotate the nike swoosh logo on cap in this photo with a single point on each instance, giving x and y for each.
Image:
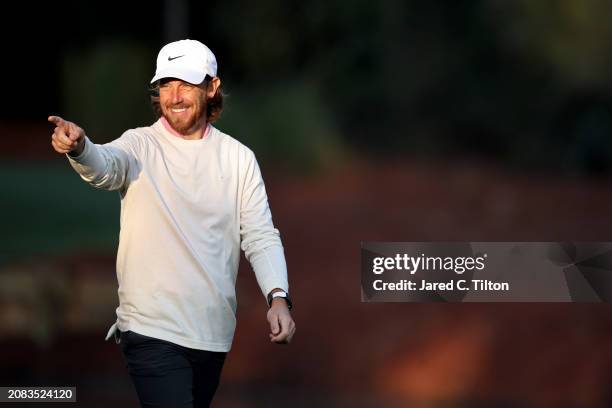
(173, 58)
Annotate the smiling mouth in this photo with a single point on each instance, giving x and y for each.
(178, 110)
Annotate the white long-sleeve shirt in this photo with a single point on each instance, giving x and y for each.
(187, 207)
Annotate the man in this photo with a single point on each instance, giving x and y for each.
(191, 197)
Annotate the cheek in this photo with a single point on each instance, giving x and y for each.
(191, 100)
(163, 100)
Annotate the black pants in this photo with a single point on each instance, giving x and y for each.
(169, 375)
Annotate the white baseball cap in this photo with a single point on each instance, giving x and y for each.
(189, 60)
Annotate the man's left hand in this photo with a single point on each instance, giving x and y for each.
(282, 326)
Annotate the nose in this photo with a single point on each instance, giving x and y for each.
(176, 95)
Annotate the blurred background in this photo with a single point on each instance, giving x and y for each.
(392, 121)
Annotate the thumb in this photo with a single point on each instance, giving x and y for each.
(74, 132)
(274, 326)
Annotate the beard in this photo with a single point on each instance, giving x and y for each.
(186, 125)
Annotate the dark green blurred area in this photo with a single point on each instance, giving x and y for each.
(47, 210)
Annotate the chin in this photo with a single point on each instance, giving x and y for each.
(181, 127)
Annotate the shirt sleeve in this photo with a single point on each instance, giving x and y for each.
(260, 241)
(106, 166)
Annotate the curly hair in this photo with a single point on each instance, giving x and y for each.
(214, 105)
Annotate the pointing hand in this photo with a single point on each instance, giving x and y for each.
(67, 137)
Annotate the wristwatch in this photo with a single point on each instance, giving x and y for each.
(280, 293)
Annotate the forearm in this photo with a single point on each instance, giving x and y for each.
(270, 269)
(100, 166)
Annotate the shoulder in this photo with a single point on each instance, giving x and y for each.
(133, 134)
(134, 140)
(232, 145)
(142, 132)
(139, 135)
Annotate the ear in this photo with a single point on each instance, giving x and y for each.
(213, 85)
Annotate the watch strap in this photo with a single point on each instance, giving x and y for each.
(282, 294)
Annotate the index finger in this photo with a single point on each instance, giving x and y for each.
(58, 121)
